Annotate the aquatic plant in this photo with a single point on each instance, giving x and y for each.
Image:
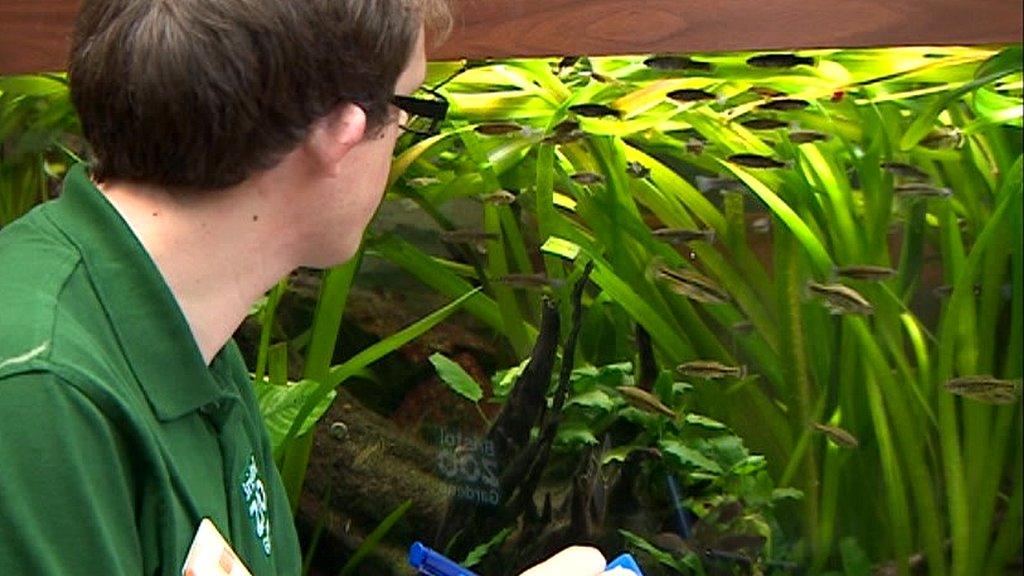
(878, 169)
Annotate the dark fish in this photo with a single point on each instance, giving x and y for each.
(756, 161)
(766, 92)
(806, 136)
(921, 190)
(841, 299)
(785, 104)
(587, 178)
(595, 110)
(985, 389)
(498, 129)
(693, 285)
(637, 170)
(764, 124)
(709, 184)
(904, 170)
(530, 281)
(691, 95)
(567, 62)
(945, 137)
(566, 132)
(711, 370)
(676, 63)
(681, 235)
(645, 401)
(465, 236)
(499, 198)
(779, 60)
(838, 435)
(866, 272)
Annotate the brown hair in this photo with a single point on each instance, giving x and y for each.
(201, 94)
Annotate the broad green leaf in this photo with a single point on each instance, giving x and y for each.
(456, 377)
(592, 399)
(280, 404)
(688, 457)
(477, 554)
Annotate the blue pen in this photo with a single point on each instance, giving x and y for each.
(431, 563)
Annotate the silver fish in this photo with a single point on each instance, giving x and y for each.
(637, 170)
(682, 235)
(422, 181)
(945, 137)
(921, 190)
(498, 129)
(904, 170)
(841, 299)
(711, 370)
(587, 178)
(987, 389)
(866, 272)
(837, 435)
(499, 197)
(708, 184)
(530, 281)
(645, 401)
(762, 225)
(693, 285)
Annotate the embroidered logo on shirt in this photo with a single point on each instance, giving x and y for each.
(255, 494)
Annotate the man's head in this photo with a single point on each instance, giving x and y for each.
(202, 94)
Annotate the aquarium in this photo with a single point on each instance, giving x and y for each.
(734, 313)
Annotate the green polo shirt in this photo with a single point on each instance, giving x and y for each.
(116, 438)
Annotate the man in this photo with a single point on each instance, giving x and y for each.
(234, 141)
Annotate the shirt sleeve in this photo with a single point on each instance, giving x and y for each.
(66, 489)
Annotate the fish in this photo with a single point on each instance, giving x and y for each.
(594, 110)
(985, 388)
(711, 370)
(498, 129)
(708, 184)
(676, 63)
(944, 291)
(530, 281)
(587, 178)
(921, 190)
(565, 133)
(785, 104)
(866, 272)
(637, 170)
(762, 225)
(904, 170)
(682, 235)
(766, 92)
(645, 401)
(691, 95)
(743, 327)
(806, 136)
(841, 299)
(764, 124)
(941, 138)
(838, 435)
(499, 198)
(567, 62)
(756, 161)
(695, 146)
(465, 236)
(779, 60)
(422, 181)
(693, 285)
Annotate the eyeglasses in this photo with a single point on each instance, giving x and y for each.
(425, 114)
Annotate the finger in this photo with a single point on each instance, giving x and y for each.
(573, 561)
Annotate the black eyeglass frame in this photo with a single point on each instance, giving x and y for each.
(436, 109)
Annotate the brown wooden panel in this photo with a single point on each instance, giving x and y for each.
(34, 34)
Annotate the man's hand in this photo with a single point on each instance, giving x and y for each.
(576, 561)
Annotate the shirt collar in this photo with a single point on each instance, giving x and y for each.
(149, 324)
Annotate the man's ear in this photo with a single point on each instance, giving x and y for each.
(331, 137)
